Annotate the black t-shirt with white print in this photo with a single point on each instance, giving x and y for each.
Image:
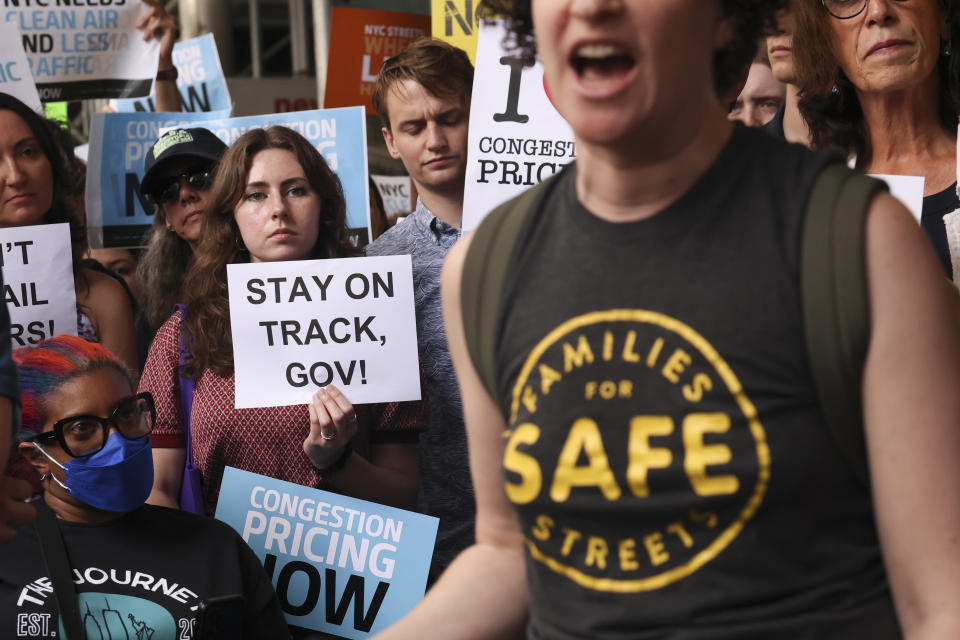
(140, 577)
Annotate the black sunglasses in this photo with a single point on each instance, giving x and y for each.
(85, 435)
(168, 190)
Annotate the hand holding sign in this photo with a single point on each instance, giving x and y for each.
(159, 24)
(333, 423)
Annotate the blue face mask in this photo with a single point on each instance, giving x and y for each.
(116, 478)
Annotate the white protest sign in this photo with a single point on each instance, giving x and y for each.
(906, 189)
(38, 282)
(15, 76)
(301, 325)
(200, 79)
(79, 50)
(517, 138)
(395, 192)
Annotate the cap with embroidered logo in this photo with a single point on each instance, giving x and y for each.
(179, 143)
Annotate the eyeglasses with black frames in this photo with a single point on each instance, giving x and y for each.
(846, 9)
(168, 190)
(85, 435)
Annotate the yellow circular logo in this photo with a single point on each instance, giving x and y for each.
(633, 454)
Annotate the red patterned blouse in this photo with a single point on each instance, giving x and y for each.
(268, 440)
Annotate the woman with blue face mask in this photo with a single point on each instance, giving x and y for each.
(134, 566)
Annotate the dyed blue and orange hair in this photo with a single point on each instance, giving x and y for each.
(48, 365)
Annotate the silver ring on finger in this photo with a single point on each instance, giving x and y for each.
(353, 418)
(326, 437)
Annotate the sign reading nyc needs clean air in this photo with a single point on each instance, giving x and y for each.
(15, 76)
(301, 325)
(118, 215)
(200, 80)
(517, 138)
(339, 565)
(38, 282)
(81, 50)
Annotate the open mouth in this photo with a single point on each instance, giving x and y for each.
(599, 62)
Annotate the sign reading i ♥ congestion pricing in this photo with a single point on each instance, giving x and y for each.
(38, 282)
(360, 41)
(517, 138)
(339, 565)
(85, 50)
(340, 135)
(304, 324)
(200, 79)
(15, 76)
(118, 215)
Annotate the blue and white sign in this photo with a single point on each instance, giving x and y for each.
(15, 76)
(117, 215)
(339, 134)
(339, 565)
(200, 82)
(85, 50)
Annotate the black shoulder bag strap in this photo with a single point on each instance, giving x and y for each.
(493, 250)
(58, 568)
(836, 307)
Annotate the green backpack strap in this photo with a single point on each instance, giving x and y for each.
(493, 249)
(836, 309)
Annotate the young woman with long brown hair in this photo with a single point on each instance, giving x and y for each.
(273, 198)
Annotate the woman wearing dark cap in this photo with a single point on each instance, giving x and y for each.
(179, 169)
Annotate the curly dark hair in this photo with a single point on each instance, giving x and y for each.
(207, 322)
(828, 100)
(749, 20)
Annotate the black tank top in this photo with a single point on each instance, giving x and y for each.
(665, 452)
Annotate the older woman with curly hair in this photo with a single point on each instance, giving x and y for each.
(651, 459)
(880, 81)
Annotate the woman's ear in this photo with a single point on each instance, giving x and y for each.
(35, 458)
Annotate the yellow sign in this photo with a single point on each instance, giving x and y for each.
(456, 22)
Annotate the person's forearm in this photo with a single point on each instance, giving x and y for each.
(167, 94)
(167, 474)
(481, 596)
(944, 625)
(162, 499)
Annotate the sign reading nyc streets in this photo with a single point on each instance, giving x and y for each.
(632, 452)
